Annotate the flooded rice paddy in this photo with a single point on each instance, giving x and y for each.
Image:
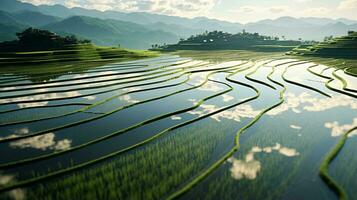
(174, 127)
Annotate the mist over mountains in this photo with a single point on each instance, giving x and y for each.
(140, 30)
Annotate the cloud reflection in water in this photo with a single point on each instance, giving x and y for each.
(312, 104)
(249, 167)
(338, 130)
(16, 194)
(42, 142)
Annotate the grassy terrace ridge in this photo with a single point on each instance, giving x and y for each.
(73, 54)
(229, 55)
(323, 171)
(54, 63)
(339, 47)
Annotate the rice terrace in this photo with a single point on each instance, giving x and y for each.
(218, 115)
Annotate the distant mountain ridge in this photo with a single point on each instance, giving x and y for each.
(111, 32)
(162, 28)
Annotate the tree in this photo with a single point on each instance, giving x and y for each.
(327, 38)
(37, 39)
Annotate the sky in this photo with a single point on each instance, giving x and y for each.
(242, 11)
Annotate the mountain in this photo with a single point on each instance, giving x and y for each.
(305, 28)
(33, 18)
(195, 25)
(14, 6)
(112, 32)
(284, 22)
(165, 28)
(9, 26)
(11, 23)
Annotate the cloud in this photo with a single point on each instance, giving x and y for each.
(38, 2)
(173, 7)
(302, 1)
(348, 5)
(278, 9)
(248, 9)
(316, 11)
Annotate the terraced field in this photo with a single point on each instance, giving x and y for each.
(180, 128)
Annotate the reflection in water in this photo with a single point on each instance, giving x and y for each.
(295, 127)
(131, 89)
(29, 105)
(242, 111)
(42, 142)
(128, 99)
(247, 168)
(176, 117)
(312, 104)
(197, 78)
(338, 130)
(90, 97)
(16, 194)
(17, 132)
(227, 98)
(35, 98)
(210, 86)
(250, 167)
(22, 131)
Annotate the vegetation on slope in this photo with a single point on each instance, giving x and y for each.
(218, 40)
(339, 47)
(33, 39)
(54, 54)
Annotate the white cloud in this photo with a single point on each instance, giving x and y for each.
(278, 9)
(302, 1)
(348, 5)
(173, 7)
(38, 2)
(318, 11)
(248, 9)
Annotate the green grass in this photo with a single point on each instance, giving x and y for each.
(323, 172)
(79, 58)
(229, 55)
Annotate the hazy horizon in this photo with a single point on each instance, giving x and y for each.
(228, 10)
